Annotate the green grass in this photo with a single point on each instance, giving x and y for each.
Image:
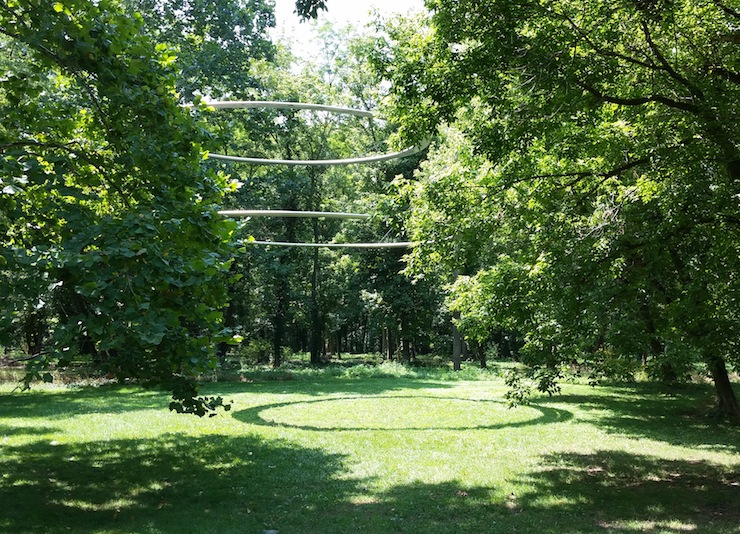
(371, 450)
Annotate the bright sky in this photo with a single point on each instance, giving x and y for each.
(341, 12)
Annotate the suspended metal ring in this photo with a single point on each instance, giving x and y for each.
(234, 104)
(393, 244)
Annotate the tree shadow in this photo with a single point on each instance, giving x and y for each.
(677, 417)
(574, 494)
(244, 484)
(327, 386)
(8, 430)
(488, 418)
(172, 484)
(624, 492)
(116, 398)
(52, 404)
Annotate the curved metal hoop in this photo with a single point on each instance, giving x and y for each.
(397, 244)
(234, 104)
(274, 104)
(294, 214)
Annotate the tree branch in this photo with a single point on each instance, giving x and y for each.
(731, 12)
(638, 101)
(667, 67)
(27, 358)
(585, 174)
(728, 75)
(604, 52)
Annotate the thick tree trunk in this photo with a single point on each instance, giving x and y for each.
(283, 290)
(317, 329)
(727, 405)
(278, 332)
(456, 345)
(405, 342)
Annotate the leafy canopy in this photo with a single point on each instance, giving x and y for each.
(108, 212)
(588, 177)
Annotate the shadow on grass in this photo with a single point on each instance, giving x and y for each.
(114, 399)
(676, 416)
(490, 412)
(620, 491)
(8, 430)
(53, 403)
(325, 386)
(576, 494)
(226, 484)
(172, 484)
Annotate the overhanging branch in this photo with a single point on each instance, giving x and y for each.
(639, 101)
(578, 176)
(667, 67)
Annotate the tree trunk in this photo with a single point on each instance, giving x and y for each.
(666, 370)
(456, 345)
(279, 330)
(456, 339)
(229, 322)
(727, 405)
(389, 348)
(482, 356)
(405, 342)
(34, 332)
(317, 329)
(283, 289)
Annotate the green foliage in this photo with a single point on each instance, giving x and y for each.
(108, 210)
(309, 9)
(585, 177)
(213, 42)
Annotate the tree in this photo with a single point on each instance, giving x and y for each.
(310, 300)
(214, 41)
(293, 277)
(309, 9)
(597, 147)
(107, 207)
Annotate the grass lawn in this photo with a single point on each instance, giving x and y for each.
(321, 453)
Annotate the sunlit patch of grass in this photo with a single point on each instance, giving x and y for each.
(399, 449)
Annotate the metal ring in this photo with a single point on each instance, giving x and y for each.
(292, 213)
(235, 104)
(394, 244)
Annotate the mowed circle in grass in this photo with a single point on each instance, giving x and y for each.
(396, 413)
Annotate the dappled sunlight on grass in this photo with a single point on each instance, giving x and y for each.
(647, 412)
(124, 483)
(380, 454)
(51, 402)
